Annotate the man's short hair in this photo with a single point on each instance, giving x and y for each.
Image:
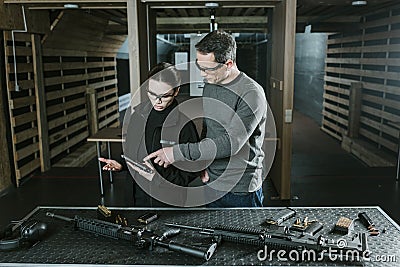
(220, 43)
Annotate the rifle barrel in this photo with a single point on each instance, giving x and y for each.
(187, 227)
(52, 215)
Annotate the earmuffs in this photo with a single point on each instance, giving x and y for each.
(28, 233)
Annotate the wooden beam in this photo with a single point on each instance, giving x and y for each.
(58, 1)
(206, 20)
(5, 161)
(133, 43)
(50, 4)
(206, 28)
(327, 27)
(304, 19)
(83, 4)
(224, 3)
(68, 131)
(93, 115)
(69, 143)
(354, 110)
(191, 2)
(282, 69)
(67, 118)
(40, 104)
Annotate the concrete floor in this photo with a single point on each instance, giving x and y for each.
(322, 175)
(325, 175)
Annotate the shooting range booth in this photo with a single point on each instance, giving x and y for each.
(60, 80)
(69, 68)
(64, 87)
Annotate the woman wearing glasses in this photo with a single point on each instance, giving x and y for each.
(153, 124)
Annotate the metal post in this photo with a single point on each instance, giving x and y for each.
(109, 156)
(100, 171)
(398, 159)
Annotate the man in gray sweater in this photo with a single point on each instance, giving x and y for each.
(235, 112)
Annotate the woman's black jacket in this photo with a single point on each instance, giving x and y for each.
(143, 136)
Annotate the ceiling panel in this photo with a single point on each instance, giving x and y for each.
(323, 15)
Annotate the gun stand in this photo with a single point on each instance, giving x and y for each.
(211, 8)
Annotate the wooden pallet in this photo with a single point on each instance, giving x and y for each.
(68, 91)
(362, 92)
(368, 153)
(81, 156)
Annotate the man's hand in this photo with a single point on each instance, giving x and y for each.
(204, 176)
(163, 157)
(112, 165)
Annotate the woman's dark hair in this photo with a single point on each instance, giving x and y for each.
(220, 43)
(165, 72)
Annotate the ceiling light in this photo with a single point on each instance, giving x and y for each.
(212, 5)
(359, 3)
(71, 6)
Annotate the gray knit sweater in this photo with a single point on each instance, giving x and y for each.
(234, 127)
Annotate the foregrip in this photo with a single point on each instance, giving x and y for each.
(104, 228)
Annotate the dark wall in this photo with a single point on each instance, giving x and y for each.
(246, 56)
(252, 60)
(123, 76)
(309, 74)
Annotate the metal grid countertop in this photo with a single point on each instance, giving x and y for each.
(64, 245)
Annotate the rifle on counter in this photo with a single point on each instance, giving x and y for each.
(279, 237)
(141, 237)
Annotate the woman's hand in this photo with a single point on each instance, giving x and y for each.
(111, 165)
(204, 176)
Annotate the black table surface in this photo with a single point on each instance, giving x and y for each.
(63, 245)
